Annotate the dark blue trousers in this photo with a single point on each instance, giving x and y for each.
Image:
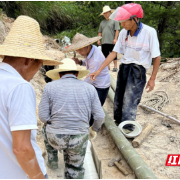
(130, 84)
(102, 93)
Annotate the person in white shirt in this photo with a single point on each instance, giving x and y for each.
(23, 54)
(139, 44)
(94, 58)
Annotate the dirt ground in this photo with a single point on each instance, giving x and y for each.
(162, 140)
(157, 145)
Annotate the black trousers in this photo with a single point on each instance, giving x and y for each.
(130, 84)
(107, 49)
(102, 93)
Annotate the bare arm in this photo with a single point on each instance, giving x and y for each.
(99, 42)
(107, 61)
(116, 36)
(25, 154)
(151, 82)
(100, 34)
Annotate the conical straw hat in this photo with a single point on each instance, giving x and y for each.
(106, 9)
(68, 65)
(79, 41)
(25, 40)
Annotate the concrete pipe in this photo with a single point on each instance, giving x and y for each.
(89, 166)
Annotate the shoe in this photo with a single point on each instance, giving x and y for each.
(117, 124)
(52, 165)
(115, 70)
(126, 131)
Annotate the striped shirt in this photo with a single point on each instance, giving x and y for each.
(68, 103)
(93, 62)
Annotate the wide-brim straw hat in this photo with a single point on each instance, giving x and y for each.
(79, 41)
(25, 40)
(68, 65)
(106, 9)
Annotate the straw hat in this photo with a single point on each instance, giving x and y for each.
(106, 9)
(79, 41)
(25, 40)
(68, 65)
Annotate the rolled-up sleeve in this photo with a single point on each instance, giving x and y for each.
(44, 107)
(154, 44)
(97, 112)
(94, 65)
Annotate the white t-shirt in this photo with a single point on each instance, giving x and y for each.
(140, 48)
(17, 112)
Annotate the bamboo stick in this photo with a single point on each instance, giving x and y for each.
(159, 112)
(139, 139)
(121, 168)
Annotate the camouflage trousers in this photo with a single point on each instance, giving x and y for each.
(74, 149)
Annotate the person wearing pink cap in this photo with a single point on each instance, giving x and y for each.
(139, 44)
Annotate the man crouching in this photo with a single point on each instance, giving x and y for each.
(66, 107)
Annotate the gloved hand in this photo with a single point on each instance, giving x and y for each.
(92, 133)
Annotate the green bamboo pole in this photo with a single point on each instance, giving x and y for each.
(113, 83)
(135, 161)
(111, 94)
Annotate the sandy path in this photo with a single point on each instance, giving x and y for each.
(154, 149)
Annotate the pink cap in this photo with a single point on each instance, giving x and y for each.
(125, 12)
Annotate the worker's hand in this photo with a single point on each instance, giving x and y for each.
(99, 42)
(93, 75)
(92, 133)
(150, 85)
(114, 41)
(77, 61)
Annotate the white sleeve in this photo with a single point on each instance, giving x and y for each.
(118, 46)
(154, 44)
(94, 64)
(21, 105)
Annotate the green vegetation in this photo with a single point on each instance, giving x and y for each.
(65, 18)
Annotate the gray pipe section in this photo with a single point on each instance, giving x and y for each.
(135, 161)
